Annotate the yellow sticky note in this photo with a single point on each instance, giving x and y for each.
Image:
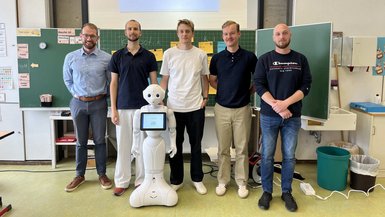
(158, 53)
(28, 32)
(212, 91)
(209, 60)
(207, 46)
(173, 43)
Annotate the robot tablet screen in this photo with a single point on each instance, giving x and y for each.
(153, 121)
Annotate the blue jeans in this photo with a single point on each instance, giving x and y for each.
(270, 127)
(84, 115)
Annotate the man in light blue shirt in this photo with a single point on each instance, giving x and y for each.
(86, 76)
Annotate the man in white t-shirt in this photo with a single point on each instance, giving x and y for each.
(184, 73)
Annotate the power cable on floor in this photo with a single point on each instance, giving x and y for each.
(308, 190)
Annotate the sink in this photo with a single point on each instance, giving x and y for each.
(339, 119)
(338, 111)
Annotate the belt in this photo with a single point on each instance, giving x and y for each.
(90, 98)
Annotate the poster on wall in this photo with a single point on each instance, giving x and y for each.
(6, 80)
(22, 51)
(24, 81)
(3, 42)
(379, 69)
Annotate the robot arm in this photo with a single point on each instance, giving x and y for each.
(172, 132)
(136, 134)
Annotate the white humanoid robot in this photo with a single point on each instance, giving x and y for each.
(153, 119)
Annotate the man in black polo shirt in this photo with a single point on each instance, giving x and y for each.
(230, 74)
(130, 69)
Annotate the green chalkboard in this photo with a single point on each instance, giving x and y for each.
(45, 69)
(111, 40)
(48, 76)
(314, 41)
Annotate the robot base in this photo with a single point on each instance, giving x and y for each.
(153, 191)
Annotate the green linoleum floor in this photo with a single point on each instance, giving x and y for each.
(41, 193)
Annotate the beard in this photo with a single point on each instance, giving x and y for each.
(283, 45)
(89, 45)
(133, 39)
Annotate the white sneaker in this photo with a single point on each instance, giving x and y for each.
(200, 187)
(177, 187)
(220, 190)
(242, 191)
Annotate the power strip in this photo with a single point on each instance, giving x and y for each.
(307, 188)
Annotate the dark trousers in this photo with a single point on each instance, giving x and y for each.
(194, 123)
(84, 115)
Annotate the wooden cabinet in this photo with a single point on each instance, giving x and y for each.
(370, 136)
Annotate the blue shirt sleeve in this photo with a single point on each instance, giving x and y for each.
(67, 73)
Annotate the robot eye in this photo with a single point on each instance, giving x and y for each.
(149, 95)
(157, 95)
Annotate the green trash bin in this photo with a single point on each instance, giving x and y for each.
(332, 167)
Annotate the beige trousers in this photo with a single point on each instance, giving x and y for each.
(233, 127)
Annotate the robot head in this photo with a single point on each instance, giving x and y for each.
(153, 94)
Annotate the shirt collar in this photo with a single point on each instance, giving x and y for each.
(94, 52)
(139, 51)
(237, 53)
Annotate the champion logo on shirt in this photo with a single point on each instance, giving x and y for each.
(276, 63)
(285, 66)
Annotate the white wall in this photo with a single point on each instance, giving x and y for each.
(12, 147)
(36, 142)
(252, 14)
(8, 17)
(106, 15)
(34, 13)
(353, 18)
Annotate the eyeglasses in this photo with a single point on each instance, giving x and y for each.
(93, 37)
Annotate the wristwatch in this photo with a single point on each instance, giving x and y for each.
(205, 98)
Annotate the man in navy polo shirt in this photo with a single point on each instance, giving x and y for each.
(282, 79)
(130, 69)
(230, 74)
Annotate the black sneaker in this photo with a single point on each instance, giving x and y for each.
(290, 203)
(264, 201)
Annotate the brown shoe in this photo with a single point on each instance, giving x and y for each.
(76, 182)
(119, 191)
(105, 182)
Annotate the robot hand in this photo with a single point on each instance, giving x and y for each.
(135, 151)
(172, 151)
